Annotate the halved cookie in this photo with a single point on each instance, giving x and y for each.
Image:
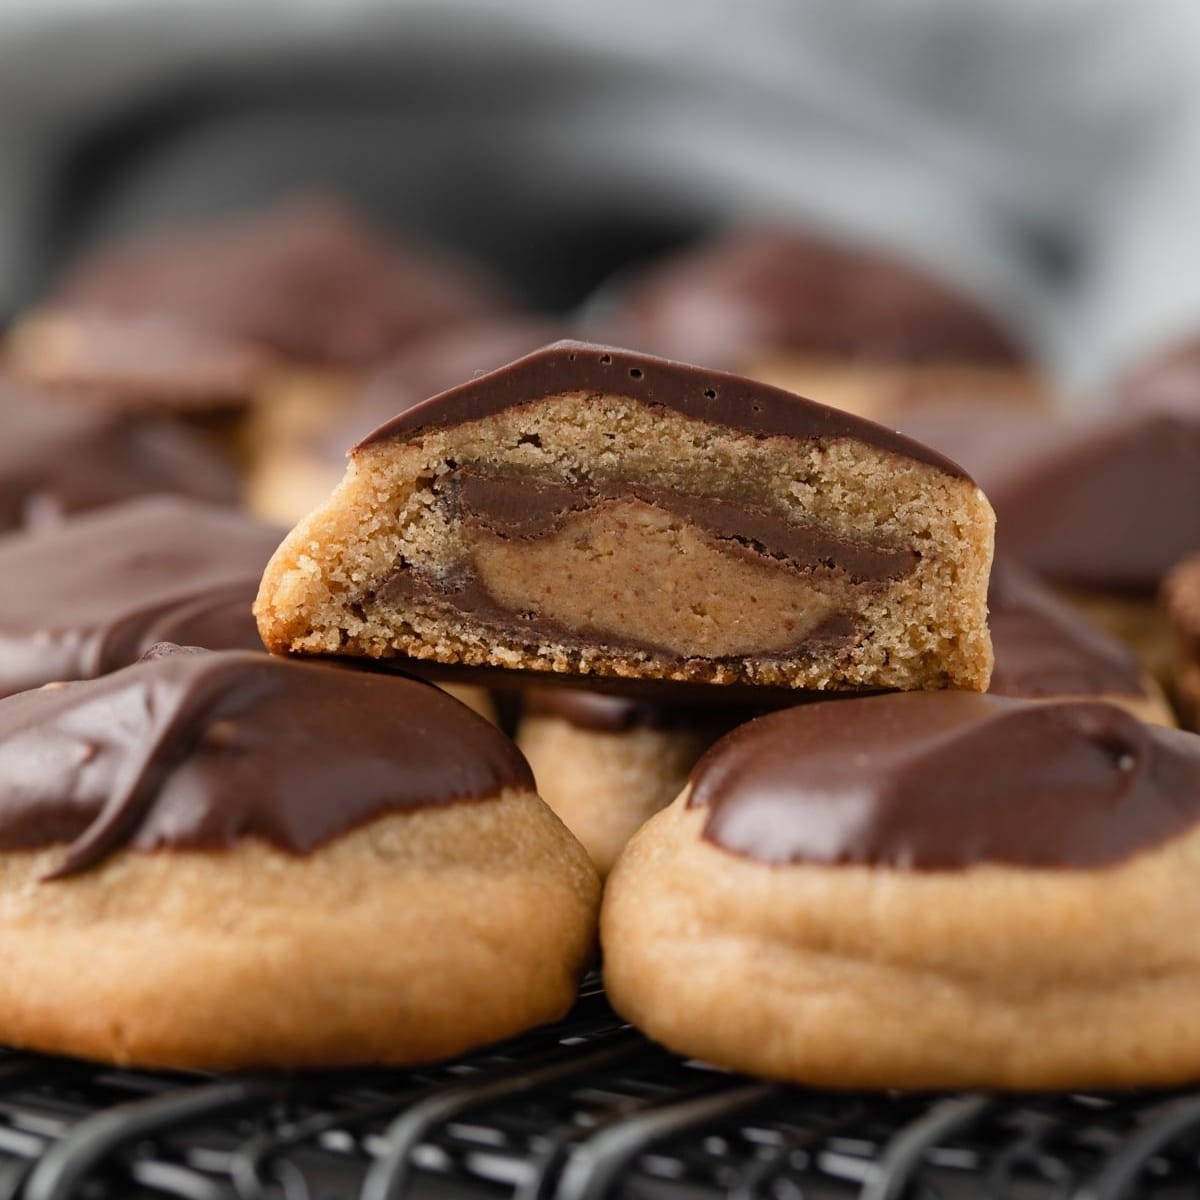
(587, 510)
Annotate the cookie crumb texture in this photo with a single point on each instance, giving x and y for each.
(410, 939)
(591, 533)
(853, 976)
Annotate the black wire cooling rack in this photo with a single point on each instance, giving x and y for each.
(583, 1110)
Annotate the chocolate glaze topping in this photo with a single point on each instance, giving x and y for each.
(201, 751)
(310, 280)
(430, 365)
(528, 507)
(761, 289)
(1107, 504)
(60, 456)
(98, 590)
(1045, 647)
(566, 368)
(945, 780)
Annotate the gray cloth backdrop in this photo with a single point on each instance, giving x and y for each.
(1044, 154)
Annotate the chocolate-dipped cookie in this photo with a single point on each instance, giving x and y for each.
(586, 510)
(97, 591)
(225, 860)
(1181, 600)
(273, 315)
(1102, 508)
(854, 327)
(922, 891)
(57, 458)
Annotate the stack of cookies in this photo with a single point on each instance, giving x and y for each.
(843, 797)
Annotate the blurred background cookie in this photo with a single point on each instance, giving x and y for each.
(59, 458)
(853, 327)
(1101, 506)
(274, 315)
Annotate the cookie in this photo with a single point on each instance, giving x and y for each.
(97, 591)
(924, 890)
(606, 764)
(1102, 508)
(1048, 650)
(224, 861)
(849, 325)
(587, 510)
(259, 326)
(58, 458)
(1181, 599)
(310, 281)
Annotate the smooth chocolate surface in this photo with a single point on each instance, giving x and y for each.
(1109, 504)
(310, 279)
(529, 507)
(432, 364)
(946, 780)
(91, 595)
(1045, 647)
(59, 456)
(201, 751)
(566, 368)
(761, 289)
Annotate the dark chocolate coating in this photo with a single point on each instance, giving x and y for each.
(564, 368)
(762, 289)
(310, 280)
(529, 507)
(430, 365)
(945, 780)
(201, 751)
(91, 595)
(61, 456)
(1107, 505)
(1045, 647)
(601, 712)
